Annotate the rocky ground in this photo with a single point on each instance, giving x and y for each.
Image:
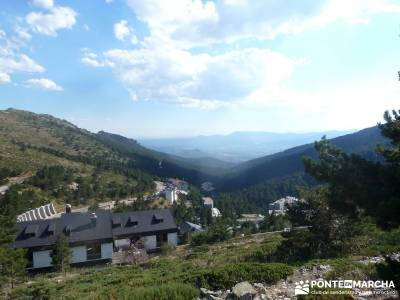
(285, 289)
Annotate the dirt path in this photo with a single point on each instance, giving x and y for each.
(14, 180)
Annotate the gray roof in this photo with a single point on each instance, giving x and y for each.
(145, 221)
(188, 226)
(82, 227)
(77, 227)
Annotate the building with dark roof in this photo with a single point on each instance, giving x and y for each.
(187, 226)
(94, 236)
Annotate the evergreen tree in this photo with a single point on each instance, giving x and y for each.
(61, 254)
(12, 261)
(352, 189)
(359, 187)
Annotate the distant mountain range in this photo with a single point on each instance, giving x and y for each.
(30, 141)
(236, 147)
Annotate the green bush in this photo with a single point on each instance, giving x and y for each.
(175, 291)
(296, 247)
(390, 270)
(166, 249)
(227, 276)
(216, 233)
(265, 253)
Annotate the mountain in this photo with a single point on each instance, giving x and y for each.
(195, 170)
(30, 141)
(235, 147)
(289, 162)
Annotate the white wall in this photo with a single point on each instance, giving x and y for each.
(79, 254)
(173, 239)
(42, 259)
(150, 242)
(106, 250)
(171, 196)
(122, 243)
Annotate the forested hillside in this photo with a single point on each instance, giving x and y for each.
(53, 159)
(289, 163)
(162, 164)
(106, 165)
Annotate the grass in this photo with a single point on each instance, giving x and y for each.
(179, 274)
(183, 270)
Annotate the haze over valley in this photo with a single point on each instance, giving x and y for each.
(238, 146)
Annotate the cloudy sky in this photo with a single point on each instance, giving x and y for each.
(168, 68)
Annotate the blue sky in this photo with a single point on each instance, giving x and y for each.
(174, 68)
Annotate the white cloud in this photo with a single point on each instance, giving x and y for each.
(12, 60)
(43, 84)
(123, 32)
(164, 67)
(91, 62)
(22, 33)
(173, 75)
(324, 105)
(4, 78)
(91, 59)
(45, 4)
(58, 17)
(197, 22)
(19, 63)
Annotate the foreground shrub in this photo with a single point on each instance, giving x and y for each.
(175, 291)
(227, 276)
(296, 247)
(216, 233)
(166, 249)
(390, 270)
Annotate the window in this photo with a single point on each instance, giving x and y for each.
(93, 251)
(162, 238)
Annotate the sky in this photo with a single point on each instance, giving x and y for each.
(179, 68)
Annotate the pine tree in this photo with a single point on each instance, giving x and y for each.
(61, 254)
(12, 261)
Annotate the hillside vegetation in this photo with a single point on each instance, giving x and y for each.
(109, 166)
(61, 161)
(289, 163)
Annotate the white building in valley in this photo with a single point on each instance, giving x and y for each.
(94, 236)
(279, 207)
(171, 194)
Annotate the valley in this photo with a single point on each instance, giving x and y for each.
(45, 160)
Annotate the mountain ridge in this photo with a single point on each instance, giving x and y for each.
(235, 147)
(53, 140)
(289, 162)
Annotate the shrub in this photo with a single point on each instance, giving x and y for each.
(296, 247)
(390, 270)
(229, 275)
(176, 291)
(265, 253)
(216, 233)
(166, 249)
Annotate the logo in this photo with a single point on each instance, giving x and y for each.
(332, 287)
(302, 288)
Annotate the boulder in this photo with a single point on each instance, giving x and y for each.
(211, 295)
(260, 288)
(244, 291)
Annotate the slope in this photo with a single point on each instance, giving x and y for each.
(30, 141)
(289, 162)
